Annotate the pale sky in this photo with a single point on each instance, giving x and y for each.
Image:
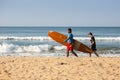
(59, 12)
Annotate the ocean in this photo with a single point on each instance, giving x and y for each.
(34, 41)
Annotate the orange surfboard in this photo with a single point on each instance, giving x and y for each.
(58, 37)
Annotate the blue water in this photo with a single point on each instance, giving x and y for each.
(77, 31)
(34, 41)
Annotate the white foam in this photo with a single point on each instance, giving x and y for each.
(98, 38)
(46, 50)
(59, 47)
(46, 38)
(42, 38)
(11, 48)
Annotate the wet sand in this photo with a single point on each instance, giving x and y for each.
(59, 68)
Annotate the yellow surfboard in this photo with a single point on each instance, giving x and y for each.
(58, 37)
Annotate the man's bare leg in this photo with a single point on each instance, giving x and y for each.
(74, 53)
(67, 53)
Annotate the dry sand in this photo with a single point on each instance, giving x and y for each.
(62, 68)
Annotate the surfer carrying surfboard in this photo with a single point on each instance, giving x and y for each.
(70, 43)
(93, 44)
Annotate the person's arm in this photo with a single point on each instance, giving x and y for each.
(67, 38)
(92, 42)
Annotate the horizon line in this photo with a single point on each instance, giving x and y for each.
(50, 26)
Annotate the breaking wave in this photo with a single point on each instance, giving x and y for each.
(46, 50)
(46, 38)
(11, 48)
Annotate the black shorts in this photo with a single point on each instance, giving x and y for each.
(93, 48)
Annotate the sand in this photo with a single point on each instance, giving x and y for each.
(59, 68)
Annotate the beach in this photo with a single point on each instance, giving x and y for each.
(59, 68)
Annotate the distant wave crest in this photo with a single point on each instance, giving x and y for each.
(46, 38)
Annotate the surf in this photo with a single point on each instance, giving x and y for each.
(46, 38)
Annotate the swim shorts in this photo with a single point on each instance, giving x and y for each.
(93, 48)
(69, 47)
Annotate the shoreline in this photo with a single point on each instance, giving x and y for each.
(59, 68)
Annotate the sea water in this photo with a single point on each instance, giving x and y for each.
(34, 41)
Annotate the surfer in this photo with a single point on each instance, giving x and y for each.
(70, 43)
(93, 44)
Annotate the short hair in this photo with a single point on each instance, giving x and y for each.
(69, 29)
(90, 33)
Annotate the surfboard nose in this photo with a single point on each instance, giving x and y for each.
(50, 32)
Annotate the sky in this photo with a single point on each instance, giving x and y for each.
(59, 12)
